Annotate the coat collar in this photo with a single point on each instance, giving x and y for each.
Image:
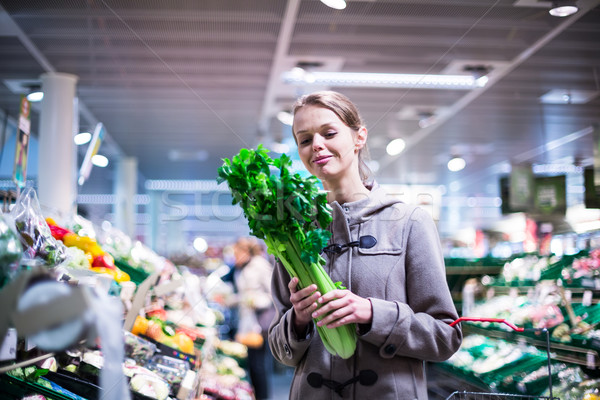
(358, 211)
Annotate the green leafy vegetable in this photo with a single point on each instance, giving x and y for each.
(290, 214)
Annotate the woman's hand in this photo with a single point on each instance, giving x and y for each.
(304, 302)
(341, 307)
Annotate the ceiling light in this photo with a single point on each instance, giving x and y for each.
(200, 245)
(82, 138)
(337, 4)
(298, 76)
(563, 8)
(35, 96)
(100, 161)
(395, 147)
(285, 117)
(457, 163)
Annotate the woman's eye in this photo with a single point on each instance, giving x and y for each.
(304, 141)
(330, 134)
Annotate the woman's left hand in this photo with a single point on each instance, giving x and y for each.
(341, 307)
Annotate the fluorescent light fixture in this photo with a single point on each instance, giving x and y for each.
(337, 4)
(82, 138)
(563, 8)
(300, 77)
(285, 117)
(395, 147)
(100, 161)
(36, 96)
(456, 164)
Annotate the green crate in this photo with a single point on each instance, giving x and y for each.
(137, 275)
(15, 388)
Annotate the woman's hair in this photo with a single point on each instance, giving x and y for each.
(346, 111)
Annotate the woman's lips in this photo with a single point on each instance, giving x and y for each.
(321, 160)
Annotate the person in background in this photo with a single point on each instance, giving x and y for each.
(388, 255)
(252, 279)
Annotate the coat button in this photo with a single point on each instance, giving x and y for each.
(390, 349)
(287, 349)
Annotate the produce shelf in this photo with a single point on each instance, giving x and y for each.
(581, 352)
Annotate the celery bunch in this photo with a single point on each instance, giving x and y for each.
(289, 214)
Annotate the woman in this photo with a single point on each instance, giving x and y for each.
(392, 266)
(252, 278)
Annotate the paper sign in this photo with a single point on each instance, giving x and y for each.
(92, 150)
(22, 147)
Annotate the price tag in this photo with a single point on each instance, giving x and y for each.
(513, 293)
(587, 298)
(9, 346)
(568, 295)
(597, 283)
(591, 360)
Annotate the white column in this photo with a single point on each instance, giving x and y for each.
(57, 176)
(125, 191)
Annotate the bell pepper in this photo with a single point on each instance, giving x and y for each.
(57, 232)
(105, 260)
(117, 274)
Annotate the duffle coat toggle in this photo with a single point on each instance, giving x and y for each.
(366, 377)
(364, 242)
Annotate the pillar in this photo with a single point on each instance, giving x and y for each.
(57, 176)
(125, 191)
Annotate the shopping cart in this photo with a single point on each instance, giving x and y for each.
(500, 396)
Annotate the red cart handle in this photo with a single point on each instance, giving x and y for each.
(478, 319)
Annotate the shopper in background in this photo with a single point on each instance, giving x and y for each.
(252, 278)
(389, 257)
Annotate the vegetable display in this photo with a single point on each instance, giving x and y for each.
(290, 214)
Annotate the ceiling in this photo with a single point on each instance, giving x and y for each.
(181, 84)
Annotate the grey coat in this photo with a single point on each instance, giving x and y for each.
(403, 277)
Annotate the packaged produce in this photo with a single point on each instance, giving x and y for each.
(138, 349)
(11, 250)
(150, 386)
(34, 233)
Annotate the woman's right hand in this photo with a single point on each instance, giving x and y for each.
(304, 302)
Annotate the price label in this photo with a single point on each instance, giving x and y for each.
(8, 351)
(513, 293)
(591, 359)
(568, 295)
(587, 298)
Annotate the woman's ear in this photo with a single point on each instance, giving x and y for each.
(361, 138)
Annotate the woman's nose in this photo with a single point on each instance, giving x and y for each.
(318, 141)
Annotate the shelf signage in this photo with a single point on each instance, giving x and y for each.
(520, 195)
(22, 147)
(550, 195)
(92, 150)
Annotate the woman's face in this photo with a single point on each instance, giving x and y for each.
(327, 147)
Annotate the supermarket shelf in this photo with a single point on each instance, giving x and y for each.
(586, 356)
(473, 270)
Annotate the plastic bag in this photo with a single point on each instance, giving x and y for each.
(34, 233)
(249, 330)
(11, 250)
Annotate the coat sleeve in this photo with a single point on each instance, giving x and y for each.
(286, 346)
(420, 327)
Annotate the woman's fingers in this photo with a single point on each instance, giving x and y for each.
(304, 300)
(340, 307)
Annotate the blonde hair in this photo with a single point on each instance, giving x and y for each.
(347, 112)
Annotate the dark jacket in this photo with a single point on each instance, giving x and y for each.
(403, 275)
